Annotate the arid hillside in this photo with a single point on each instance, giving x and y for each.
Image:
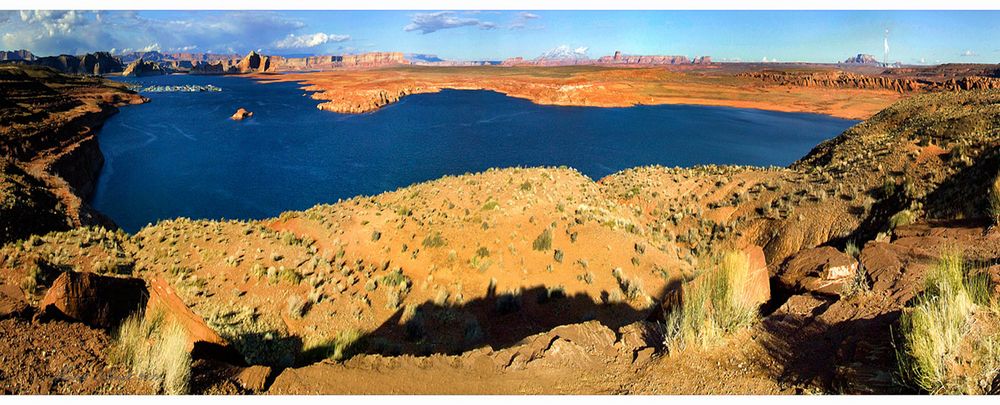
(538, 280)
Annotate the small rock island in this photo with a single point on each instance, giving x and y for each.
(241, 114)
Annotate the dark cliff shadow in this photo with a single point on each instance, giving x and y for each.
(497, 320)
(854, 356)
(966, 193)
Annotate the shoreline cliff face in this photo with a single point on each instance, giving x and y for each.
(48, 138)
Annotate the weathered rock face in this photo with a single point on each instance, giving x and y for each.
(100, 301)
(97, 63)
(374, 59)
(254, 63)
(241, 114)
(210, 68)
(12, 302)
(620, 59)
(141, 67)
(203, 341)
(823, 270)
(21, 54)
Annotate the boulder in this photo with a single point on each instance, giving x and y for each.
(566, 345)
(823, 270)
(203, 341)
(882, 264)
(96, 300)
(241, 114)
(759, 285)
(254, 378)
(12, 302)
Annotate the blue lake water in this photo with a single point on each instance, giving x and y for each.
(181, 155)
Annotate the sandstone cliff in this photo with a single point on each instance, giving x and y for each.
(97, 63)
(140, 68)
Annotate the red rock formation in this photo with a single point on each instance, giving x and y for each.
(140, 68)
(620, 59)
(203, 341)
(93, 299)
(374, 59)
(253, 63)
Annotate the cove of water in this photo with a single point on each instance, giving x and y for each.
(181, 155)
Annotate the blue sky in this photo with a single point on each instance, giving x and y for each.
(812, 36)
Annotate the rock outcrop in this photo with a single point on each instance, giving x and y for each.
(95, 300)
(253, 63)
(141, 67)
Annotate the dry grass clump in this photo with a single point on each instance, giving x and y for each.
(994, 198)
(950, 337)
(155, 349)
(716, 303)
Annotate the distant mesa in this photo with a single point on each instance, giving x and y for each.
(560, 57)
(140, 68)
(241, 114)
(867, 60)
(97, 63)
(21, 54)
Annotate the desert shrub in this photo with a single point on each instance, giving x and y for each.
(154, 348)
(858, 283)
(852, 249)
(38, 274)
(994, 198)
(433, 240)
(343, 346)
(712, 305)
(544, 241)
(395, 278)
(901, 218)
(490, 205)
(630, 287)
(950, 340)
(297, 306)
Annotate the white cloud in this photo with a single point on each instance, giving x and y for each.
(427, 23)
(76, 32)
(522, 19)
(293, 41)
(968, 52)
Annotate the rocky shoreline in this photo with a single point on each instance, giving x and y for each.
(59, 149)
